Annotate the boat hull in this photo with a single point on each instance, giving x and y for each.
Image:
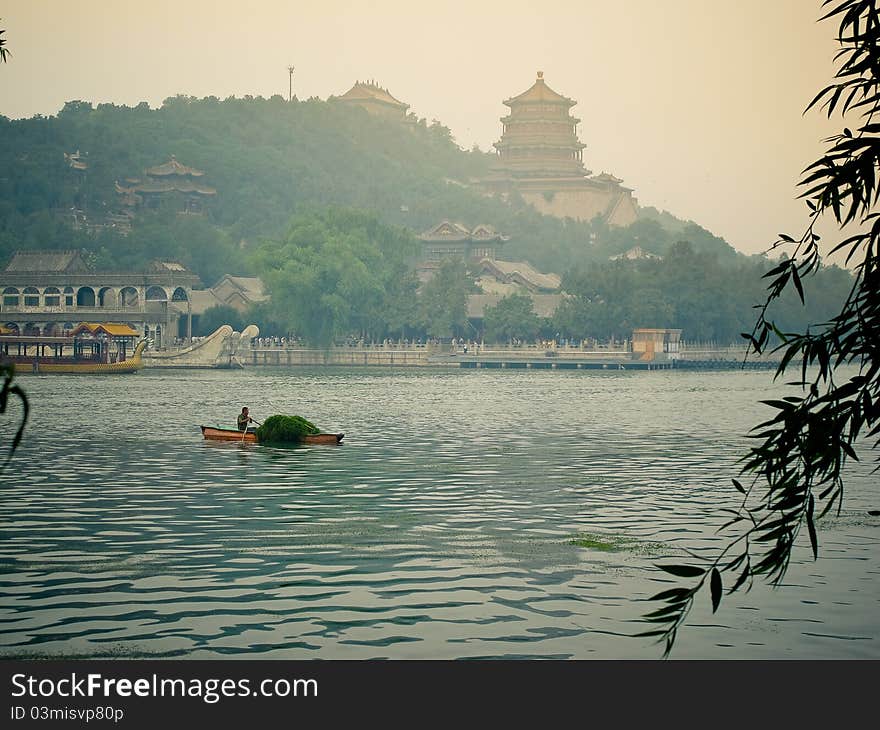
(230, 434)
(58, 366)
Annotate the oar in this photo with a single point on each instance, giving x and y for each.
(246, 428)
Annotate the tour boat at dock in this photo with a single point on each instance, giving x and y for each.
(91, 349)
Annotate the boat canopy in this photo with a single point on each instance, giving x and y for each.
(109, 329)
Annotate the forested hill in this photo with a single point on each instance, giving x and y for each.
(268, 158)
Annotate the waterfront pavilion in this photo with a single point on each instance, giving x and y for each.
(51, 292)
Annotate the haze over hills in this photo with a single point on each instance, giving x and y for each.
(267, 159)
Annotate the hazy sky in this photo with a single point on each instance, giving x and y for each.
(696, 104)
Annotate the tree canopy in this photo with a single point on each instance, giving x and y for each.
(512, 318)
(338, 272)
(688, 290)
(267, 160)
(443, 301)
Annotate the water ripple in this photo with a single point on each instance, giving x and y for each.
(448, 524)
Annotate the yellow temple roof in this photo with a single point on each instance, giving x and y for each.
(367, 91)
(539, 91)
(111, 329)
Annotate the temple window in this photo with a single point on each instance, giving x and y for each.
(31, 297)
(10, 297)
(52, 297)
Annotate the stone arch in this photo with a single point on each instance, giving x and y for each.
(52, 329)
(31, 330)
(68, 328)
(85, 297)
(31, 296)
(13, 327)
(69, 296)
(52, 296)
(11, 297)
(179, 295)
(107, 297)
(128, 297)
(156, 294)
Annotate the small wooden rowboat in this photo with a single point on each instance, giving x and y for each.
(231, 434)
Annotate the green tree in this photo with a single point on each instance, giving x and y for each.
(794, 475)
(512, 317)
(261, 314)
(214, 317)
(443, 300)
(338, 272)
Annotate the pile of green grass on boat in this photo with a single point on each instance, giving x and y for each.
(285, 430)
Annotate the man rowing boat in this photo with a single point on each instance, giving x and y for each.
(244, 419)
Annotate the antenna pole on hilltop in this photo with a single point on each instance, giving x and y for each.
(290, 90)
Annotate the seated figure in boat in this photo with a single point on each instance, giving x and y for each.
(244, 420)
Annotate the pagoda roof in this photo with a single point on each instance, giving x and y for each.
(166, 186)
(608, 177)
(167, 266)
(250, 288)
(447, 231)
(76, 161)
(539, 91)
(173, 167)
(46, 262)
(484, 232)
(108, 328)
(636, 252)
(523, 273)
(370, 91)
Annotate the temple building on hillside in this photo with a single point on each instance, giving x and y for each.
(239, 292)
(636, 253)
(541, 158)
(493, 277)
(170, 183)
(454, 240)
(377, 101)
(515, 277)
(77, 161)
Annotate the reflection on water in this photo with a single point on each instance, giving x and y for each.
(445, 525)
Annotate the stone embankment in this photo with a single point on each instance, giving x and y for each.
(225, 348)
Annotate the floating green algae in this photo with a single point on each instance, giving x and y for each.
(615, 543)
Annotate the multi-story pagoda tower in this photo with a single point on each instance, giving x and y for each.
(541, 158)
(539, 136)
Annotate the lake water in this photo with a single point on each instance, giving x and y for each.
(443, 527)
